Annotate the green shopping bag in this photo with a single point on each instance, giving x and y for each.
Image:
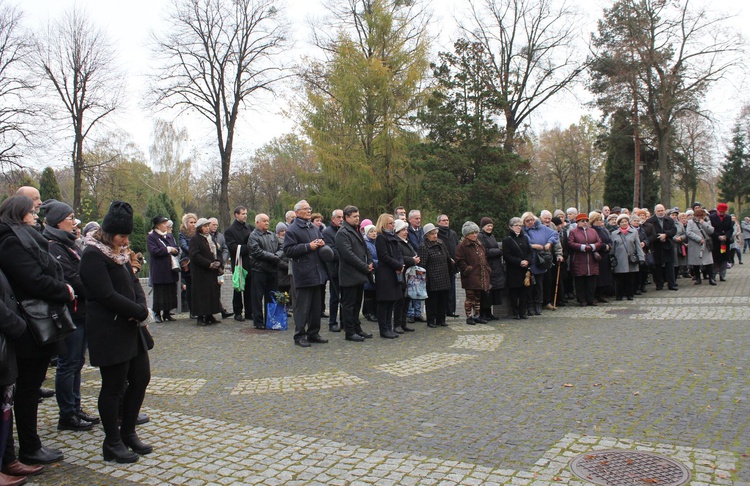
(240, 274)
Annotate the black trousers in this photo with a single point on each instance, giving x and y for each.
(351, 302)
(31, 372)
(385, 315)
(246, 298)
(452, 296)
(263, 284)
(307, 312)
(334, 299)
(436, 306)
(126, 381)
(625, 283)
(586, 289)
(664, 273)
(517, 296)
(400, 308)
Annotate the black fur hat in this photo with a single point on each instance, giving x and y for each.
(119, 219)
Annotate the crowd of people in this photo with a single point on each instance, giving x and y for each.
(394, 271)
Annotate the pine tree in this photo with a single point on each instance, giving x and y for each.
(734, 181)
(48, 186)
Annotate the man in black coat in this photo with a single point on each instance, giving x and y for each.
(237, 235)
(265, 254)
(355, 266)
(722, 238)
(304, 244)
(450, 238)
(329, 236)
(661, 245)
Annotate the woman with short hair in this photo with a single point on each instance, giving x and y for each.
(205, 268)
(584, 244)
(389, 277)
(517, 256)
(700, 258)
(626, 247)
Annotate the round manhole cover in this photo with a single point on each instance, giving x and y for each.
(626, 311)
(615, 468)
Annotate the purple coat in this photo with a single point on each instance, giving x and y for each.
(161, 264)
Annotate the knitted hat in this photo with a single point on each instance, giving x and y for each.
(364, 223)
(280, 227)
(469, 227)
(55, 211)
(368, 228)
(90, 228)
(399, 225)
(722, 207)
(158, 220)
(119, 219)
(485, 221)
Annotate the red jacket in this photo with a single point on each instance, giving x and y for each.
(582, 262)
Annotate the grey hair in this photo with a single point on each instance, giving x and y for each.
(414, 212)
(571, 210)
(257, 217)
(299, 205)
(333, 213)
(545, 213)
(514, 220)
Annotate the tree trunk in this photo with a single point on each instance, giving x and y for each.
(665, 174)
(77, 169)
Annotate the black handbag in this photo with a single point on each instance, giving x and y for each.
(48, 323)
(544, 259)
(148, 339)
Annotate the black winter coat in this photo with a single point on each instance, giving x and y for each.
(114, 297)
(516, 248)
(390, 262)
(329, 236)
(69, 257)
(31, 275)
(265, 251)
(435, 258)
(722, 227)
(206, 291)
(354, 257)
(494, 258)
(12, 327)
(662, 250)
(307, 268)
(237, 234)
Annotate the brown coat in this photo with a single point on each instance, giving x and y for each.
(582, 260)
(471, 261)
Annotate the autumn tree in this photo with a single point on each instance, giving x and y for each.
(171, 163)
(661, 57)
(77, 61)
(531, 54)
(15, 86)
(216, 57)
(361, 99)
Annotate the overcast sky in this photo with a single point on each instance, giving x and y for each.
(130, 24)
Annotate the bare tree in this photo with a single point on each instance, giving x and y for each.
(693, 144)
(15, 84)
(76, 58)
(533, 53)
(216, 54)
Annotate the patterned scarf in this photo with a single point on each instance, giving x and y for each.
(121, 258)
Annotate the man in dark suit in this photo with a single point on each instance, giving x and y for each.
(237, 235)
(661, 246)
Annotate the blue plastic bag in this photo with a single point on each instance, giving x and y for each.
(276, 318)
(416, 283)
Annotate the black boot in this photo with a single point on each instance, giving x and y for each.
(132, 441)
(117, 451)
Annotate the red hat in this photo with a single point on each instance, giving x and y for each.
(722, 207)
(582, 216)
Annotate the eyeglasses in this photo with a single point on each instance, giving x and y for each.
(514, 225)
(305, 209)
(71, 218)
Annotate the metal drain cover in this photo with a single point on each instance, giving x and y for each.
(620, 468)
(626, 311)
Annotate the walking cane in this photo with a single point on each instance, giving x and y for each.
(557, 283)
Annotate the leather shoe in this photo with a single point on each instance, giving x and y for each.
(118, 452)
(210, 319)
(142, 418)
(6, 480)
(355, 337)
(364, 334)
(398, 330)
(470, 321)
(87, 417)
(672, 288)
(75, 423)
(324, 315)
(44, 455)
(432, 324)
(334, 328)
(419, 319)
(407, 328)
(388, 335)
(239, 318)
(410, 320)
(169, 317)
(226, 315)
(46, 392)
(453, 315)
(157, 318)
(17, 468)
(316, 339)
(480, 320)
(135, 443)
(302, 342)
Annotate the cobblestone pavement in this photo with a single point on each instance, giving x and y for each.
(510, 402)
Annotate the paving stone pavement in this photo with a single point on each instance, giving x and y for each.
(509, 402)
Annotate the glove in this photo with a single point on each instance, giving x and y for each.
(214, 265)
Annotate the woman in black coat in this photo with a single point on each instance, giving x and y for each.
(162, 247)
(517, 255)
(32, 274)
(388, 275)
(494, 254)
(118, 341)
(435, 258)
(205, 268)
(401, 307)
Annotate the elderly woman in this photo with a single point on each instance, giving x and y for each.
(32, 274)
(584, 244)
(409, 255)
(389, 276)
(627, 248)
(494, 253)
(369, 305)
(118, 344)
(517, 257)
(162, 248)
(436, 259)
(679, 246)
(471, 261)
(205, 268)
(542, 240)
(604, 280)
(699, 256)
(187, 230)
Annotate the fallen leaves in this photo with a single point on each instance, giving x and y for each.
(568, 385)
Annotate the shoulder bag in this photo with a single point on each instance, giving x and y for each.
(173, 258)
(48, 323)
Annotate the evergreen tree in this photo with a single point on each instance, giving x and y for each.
(48, 186)
(734, 181)
(161, 205)
(140, 230)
